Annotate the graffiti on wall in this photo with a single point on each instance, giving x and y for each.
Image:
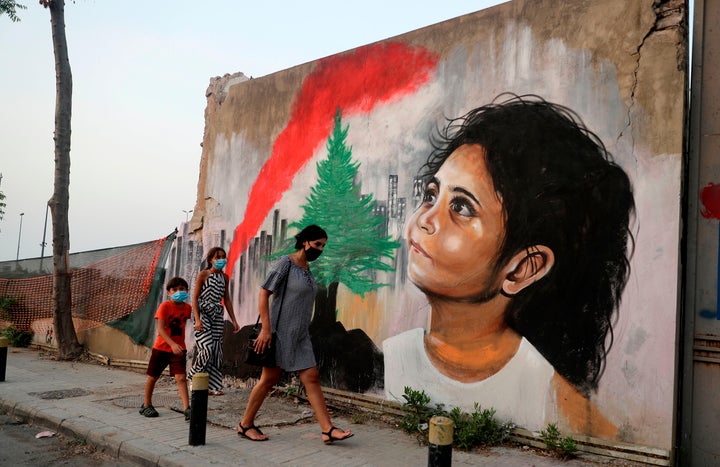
(355, 83)
(710, 199)
(483, 247)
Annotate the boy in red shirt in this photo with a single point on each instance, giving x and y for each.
(169, 347)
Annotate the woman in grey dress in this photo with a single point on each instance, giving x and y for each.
(293, 349)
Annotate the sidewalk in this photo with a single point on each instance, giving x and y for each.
(100, 404)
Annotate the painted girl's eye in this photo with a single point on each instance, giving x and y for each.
(463, 207)
(430, 194)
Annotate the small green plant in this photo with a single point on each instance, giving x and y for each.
(563, 447)
(5, 304)
(568, 447)
(77, 442)
(479, 428)
(418, 411)
(16, 337)
(360, 418)
(550, 436)
(290, 391)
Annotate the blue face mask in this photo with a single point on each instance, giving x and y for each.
(219, 263)
(180, 296)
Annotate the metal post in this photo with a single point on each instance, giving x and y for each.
(42, 250)
(3, 357)
(198, 409)
(17, 258)
(440, 442)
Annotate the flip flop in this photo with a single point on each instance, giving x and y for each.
(332, 438)
(212, 392)
(242, 431)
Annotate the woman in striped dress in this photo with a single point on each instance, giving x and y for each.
(211, 288)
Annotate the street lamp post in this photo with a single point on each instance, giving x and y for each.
(17, 258)
(43, 244)
(187, 214)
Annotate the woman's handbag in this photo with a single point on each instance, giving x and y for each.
(267, 358)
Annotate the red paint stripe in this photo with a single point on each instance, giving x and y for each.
(710, 198)
(356, 82)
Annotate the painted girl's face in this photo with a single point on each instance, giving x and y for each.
(454, 237)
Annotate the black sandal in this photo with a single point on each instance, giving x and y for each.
(332, 438)
(242, 431)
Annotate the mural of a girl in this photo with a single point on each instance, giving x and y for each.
(521, 245)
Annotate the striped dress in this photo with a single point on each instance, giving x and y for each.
(209, 341)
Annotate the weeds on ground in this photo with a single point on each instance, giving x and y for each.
(76, 442)
(564, 447)
(292, 388)
(5, 304)
(471, 430)
(418, 411)
(80, 447)
(479, 428)
(290, 391)
(360, 418)
(16, 337)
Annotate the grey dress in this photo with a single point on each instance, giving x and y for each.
(293, 351)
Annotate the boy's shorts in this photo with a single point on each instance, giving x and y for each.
(159, 360)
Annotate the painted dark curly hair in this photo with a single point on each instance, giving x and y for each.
(561, 188)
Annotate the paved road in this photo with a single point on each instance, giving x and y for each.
(98, 403)
(19, 447)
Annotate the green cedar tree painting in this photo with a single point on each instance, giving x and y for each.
(357, 247)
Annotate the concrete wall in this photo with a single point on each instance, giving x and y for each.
(701, 345)
(619, 65)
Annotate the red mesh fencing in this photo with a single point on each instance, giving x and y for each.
(102, 291)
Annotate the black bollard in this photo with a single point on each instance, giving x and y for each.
(3, 357)
(198, 409)
(440, 442)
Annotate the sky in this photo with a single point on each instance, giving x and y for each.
(140, 72)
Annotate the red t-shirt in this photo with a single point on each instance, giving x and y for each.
(175, 316)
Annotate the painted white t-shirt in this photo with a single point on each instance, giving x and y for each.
(520, 392)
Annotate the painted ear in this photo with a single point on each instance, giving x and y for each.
(527, 267)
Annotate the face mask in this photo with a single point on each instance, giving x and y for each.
(179, 296)
(311, 254)
(219, 263)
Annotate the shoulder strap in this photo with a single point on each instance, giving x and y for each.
(284, 288)
(286, 271)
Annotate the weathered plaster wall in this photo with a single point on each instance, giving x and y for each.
(618, 64)
(98, 338)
